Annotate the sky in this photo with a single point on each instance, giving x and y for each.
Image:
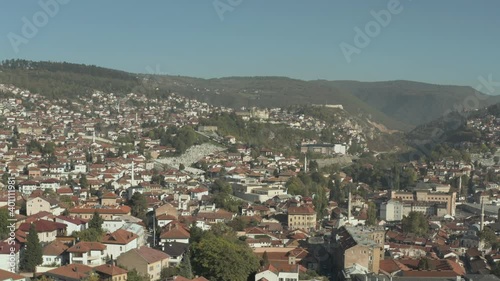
(441, 42)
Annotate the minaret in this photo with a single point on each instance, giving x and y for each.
(305, 163)
(481, 226)
(349, 208)
(136, 117)
(93, 137)
(132, 181)
(459, 187)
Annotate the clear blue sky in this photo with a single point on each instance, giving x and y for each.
(443, 42)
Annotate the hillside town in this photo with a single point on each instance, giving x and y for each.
(114, 187)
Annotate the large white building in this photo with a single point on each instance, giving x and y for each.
(391, 210)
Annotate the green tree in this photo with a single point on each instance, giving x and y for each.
(423, 264)
(222, 258)
(83, 181)
(133, 275)
(295, 186)
(32, 254)
(4, 223)
(182, 167)
(372, 214)
(488, 236)
(265, 259)
(89, 235)
(320, 201)
(496, 269)
(139, 206)
(185, 269)
(96, 222)
(415, 223)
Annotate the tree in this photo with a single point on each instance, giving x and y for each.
(96, 222)
(488, 236)
(295, 186)
(32, 254)
(415, 223)
(4, 223)
(139, 206)
(185, 269)
(320, 201)
(496, 269)
(372, 214)
(265, 259)
(89, 235)
(133, 275)
(423, 264)
(223, 258)
(182, 167)
(83, 181)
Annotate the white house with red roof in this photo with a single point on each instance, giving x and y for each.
(73, 223)
(119, 242)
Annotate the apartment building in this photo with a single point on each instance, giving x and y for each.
(301, 217)
(431, 197)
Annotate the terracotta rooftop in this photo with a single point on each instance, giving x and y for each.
(120, 236)
(110, 270)
(84, 247)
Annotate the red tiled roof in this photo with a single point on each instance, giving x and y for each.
(42, 226)
(110, 270)
(84, 247)
(120, 236)
(71, 271)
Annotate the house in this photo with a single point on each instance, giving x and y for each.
(167, 209)
(119, 242)
(270, 273)
(73, 223)
(176, 252)
(110, 272)
(180, 278)
(88, 253)
(55, 254)
(301, 217)
(39, 204)
(47, 230)
(145, 260)
(105, 212)
(8, 275)
(176, 234)
(49, 184)
(27, 187)
(9, 260)
(70, 272)
(361, 246)
(164, 219)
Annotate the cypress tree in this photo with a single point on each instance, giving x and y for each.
(32, 255)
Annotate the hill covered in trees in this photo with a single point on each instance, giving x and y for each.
(398, 105)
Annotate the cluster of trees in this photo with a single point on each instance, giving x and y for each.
(179, 138)
(257, 135)
(94, 233)
(139, 206)
(223, 198)
(382, 172)
(311, 185)
(415, 223)
(62, 80)
(218, 254)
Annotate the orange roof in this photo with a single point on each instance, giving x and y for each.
(84, 247)
(71, 271)
(120, 236)
(110, 270)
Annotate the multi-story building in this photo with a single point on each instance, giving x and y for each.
(391, 210)
(431, 197)
(359, 246)
(147, 261)
(301, 217)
